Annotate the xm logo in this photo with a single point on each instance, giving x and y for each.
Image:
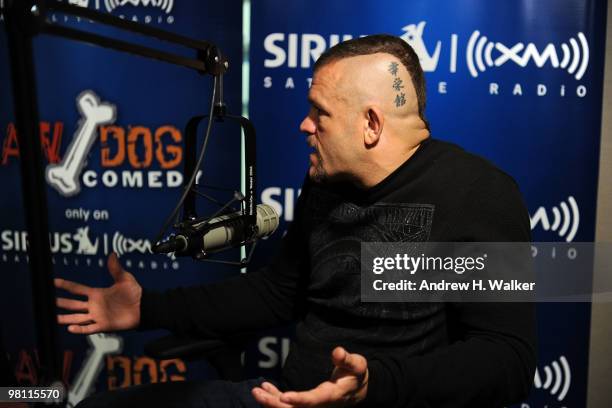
(122, 245)
(480, 50)
(565, 222)
(556, 380)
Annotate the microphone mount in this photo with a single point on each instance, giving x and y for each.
(248, 218)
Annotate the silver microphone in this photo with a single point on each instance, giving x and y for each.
(229, 233)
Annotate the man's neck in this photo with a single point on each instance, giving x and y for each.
(387, 162)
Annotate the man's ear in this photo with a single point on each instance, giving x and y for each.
(374, 125)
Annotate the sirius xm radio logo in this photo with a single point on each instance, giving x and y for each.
(563, 219)
(83, 247)
(470, 53)
(80, 242)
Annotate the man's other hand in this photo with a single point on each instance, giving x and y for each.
(106, 309)
(347, 386)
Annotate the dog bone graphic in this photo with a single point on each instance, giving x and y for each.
(64, 177)
(101, 345)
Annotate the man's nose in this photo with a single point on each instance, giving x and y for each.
(307, 126)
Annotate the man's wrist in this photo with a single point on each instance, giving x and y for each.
(381, 390)
(152, 310)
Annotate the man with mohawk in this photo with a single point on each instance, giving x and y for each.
(375, 175)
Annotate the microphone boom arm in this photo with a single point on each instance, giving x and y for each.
(31, 16)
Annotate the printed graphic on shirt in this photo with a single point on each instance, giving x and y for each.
(338, 228)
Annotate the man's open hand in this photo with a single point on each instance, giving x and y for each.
(106, 309)
(347, 386)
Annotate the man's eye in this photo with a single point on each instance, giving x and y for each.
(317, 111)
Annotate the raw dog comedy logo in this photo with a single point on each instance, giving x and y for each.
(133, 156)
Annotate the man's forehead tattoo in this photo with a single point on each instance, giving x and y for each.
(398, 85)
(400, 99)
(393, 68)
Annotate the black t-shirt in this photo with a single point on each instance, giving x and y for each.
(419, 354)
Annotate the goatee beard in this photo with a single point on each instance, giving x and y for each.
(319, 175)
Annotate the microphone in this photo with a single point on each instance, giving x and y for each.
(219, 233)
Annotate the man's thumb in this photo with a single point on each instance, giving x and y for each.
(114, 267)
(349, 361)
